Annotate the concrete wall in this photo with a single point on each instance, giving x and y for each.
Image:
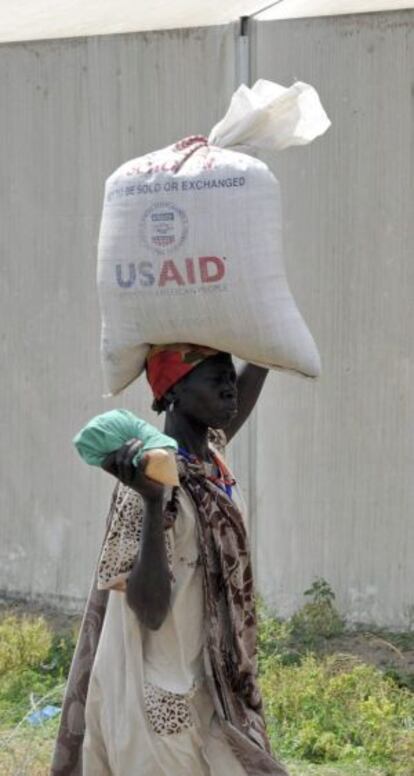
(327, 466)
(335, 459)
(71, 111)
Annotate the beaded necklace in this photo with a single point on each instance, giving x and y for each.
(223, 479)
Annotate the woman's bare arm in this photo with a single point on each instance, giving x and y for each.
(149, 585)
(250, 381)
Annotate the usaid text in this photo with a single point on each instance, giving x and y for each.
(204, 269)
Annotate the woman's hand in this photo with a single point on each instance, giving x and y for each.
(119, 464)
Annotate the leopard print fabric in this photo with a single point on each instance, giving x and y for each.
(168, 713)
(217, 439)
(121, 546)
(122, 542)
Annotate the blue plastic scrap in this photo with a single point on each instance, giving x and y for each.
(42, 715)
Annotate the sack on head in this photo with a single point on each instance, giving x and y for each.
(190, 246)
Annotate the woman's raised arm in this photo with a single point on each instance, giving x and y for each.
(250, 381)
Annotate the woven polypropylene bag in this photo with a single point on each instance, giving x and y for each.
(190, 246)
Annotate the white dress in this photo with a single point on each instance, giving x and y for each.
(148, 710)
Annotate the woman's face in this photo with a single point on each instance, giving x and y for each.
(208, 394)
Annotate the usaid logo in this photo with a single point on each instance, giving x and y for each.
(163, 227)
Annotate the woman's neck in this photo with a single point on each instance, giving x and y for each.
(189, 434)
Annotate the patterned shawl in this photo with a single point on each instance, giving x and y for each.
(230, 647)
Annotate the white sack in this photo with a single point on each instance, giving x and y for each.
(190, 246)
(271, 116)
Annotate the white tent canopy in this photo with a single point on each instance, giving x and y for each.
(41, 19)
(294, 9)
(38, 19)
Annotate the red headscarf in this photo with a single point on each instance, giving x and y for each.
(167, 364)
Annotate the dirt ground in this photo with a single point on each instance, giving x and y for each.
(59, 619)
(385, 650)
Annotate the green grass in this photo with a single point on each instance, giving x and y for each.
(333, 710)
(26, 751)
(34, 663)
(351, 769)
(327, 715)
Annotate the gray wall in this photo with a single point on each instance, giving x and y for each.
(71, 111)
(327, 466)
(335, 459)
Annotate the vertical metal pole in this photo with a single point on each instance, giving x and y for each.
(243, 53)
(243, 76)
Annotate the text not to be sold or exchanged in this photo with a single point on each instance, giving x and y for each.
(197, 184)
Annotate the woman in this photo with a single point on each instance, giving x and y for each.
(173, 688)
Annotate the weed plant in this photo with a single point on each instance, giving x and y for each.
(333, 709)
(33, 662)
(329, 716)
